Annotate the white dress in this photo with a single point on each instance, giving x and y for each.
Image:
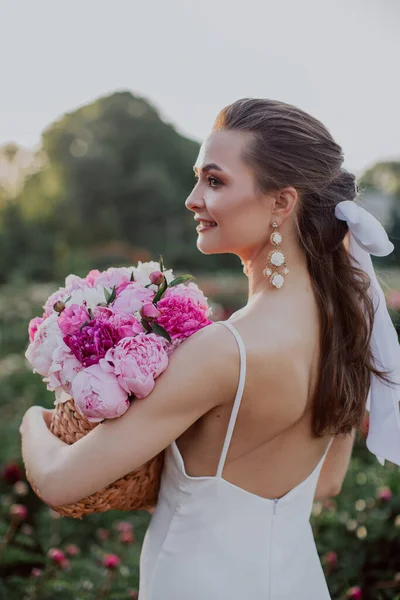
(209, 539)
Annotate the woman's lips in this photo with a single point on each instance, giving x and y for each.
(205, 226)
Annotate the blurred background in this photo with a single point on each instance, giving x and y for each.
(102, 111)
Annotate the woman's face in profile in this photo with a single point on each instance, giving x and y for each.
(233, 216)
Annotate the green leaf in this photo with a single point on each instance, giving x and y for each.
(162, 268)
(160, 292)
(161, 331)
(110, 297)
(181, 279)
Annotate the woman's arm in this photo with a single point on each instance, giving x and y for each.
(202, 374)
(335, 466)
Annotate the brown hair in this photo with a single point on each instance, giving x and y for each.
(289, 147)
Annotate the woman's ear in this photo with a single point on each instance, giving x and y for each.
(285, 203)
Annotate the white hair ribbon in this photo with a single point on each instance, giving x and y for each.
(367, 236)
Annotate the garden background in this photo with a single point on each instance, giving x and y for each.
(107, 187)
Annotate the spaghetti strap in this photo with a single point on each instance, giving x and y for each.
(238, 398)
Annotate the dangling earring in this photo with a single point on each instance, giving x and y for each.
(276, 263)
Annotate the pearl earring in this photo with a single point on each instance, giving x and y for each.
(276, 267)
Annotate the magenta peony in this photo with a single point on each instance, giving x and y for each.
(126, 325)
(137, 362)
(131, 298)
(91, 343)
(354, 593)
(181, 316)
(33, 327)
(191, 290)
(384, 493)
(56, 555)
(72, 318)
(98, 395)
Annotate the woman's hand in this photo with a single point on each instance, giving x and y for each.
(32, 414)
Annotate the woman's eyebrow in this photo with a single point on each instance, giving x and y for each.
(209, 167)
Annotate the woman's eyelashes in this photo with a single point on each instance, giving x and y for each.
(212, 181)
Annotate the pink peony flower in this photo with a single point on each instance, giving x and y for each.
(92, 277)
(74, 282)
(181, 316)
(137, 362)
(72, 550)
(126, 325)
(36, 572)
(98, 395)
(91, 343)
(124, 526)
(72, 318)
(111, 561)
(191, 290)
(18, 511)
(102, 534)
(131, 298)
(33, 327)
(126, 537)
(64, 368)
(354, 593)
(384, 493)
(114, 276)
(47, 338)
(150, 311)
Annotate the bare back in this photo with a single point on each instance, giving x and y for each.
(271, 451)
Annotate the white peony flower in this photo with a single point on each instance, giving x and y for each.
(47, 339)
(92, 296)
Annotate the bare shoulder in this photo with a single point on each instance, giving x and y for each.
(210, 360)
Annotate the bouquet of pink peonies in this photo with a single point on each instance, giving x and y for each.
(101, 342)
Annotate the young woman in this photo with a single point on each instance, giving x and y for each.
(257, 413)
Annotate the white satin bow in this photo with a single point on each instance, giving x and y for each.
(367, 236)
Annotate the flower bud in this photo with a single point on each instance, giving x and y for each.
(72, 550)
(156, 278)
(19, 512)
(354, 593)
(126, 537)
(59, 306)
(149, 311)
(57, 556)
(111, 561)
(384, 493)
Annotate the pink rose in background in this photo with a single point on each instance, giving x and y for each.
(191, 290)
(48, 337)
(33, 327)
(181, 316)
(98, 395)
(60, 294)
(72, 318)
(64, 368)
(114, 276)
(126, 325)
(91, 343)
(137, 362)
(132, 297)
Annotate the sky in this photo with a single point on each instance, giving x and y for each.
(336, 59)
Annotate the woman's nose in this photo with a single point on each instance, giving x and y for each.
(194, 201)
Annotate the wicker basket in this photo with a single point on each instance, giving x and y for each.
(137, 490)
